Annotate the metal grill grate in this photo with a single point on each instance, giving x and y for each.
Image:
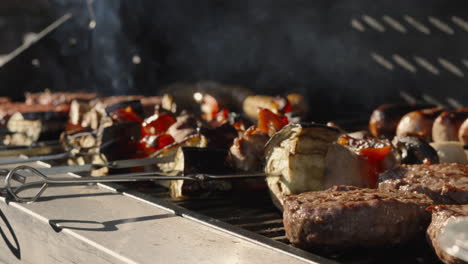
(253, 216)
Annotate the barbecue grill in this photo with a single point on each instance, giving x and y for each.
(386, 52)
(82, 215)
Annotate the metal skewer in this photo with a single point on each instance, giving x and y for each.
(63, 155)
(117, 164)
(26, 45)
(39, 149)
(45, 181)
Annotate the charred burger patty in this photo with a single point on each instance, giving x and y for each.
(348, 217)
(445, 183)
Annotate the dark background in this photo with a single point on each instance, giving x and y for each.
(271, 47)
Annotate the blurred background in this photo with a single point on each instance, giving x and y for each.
(346, 57)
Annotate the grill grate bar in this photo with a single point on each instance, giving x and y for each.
(256, 217)
(268, 222)
(281, 239)
(274, 231)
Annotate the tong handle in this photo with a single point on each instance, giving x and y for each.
(13, 175)
(45, 181)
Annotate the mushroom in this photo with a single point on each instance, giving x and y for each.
(414, 150)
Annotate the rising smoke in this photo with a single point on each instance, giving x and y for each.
(270, 47)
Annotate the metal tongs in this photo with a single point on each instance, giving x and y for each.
(45, 181)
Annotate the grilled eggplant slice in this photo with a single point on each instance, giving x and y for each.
(295, 158)
(170, 151)
(190, 160)
(221, 136)
(306, 157)
(119, 141)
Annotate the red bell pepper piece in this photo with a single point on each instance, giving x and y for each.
(269, 122)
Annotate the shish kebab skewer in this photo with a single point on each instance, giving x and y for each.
(183, 171)
(17, 175)
(156, 158)
(191, 173)
(127, 163)
(63, 155)
(45, 181)
(117, 164)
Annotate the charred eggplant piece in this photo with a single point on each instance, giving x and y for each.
(170, 151)
(190, 160)
(415, 150)
(220, 137)
(136, 106)
(119, 141)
